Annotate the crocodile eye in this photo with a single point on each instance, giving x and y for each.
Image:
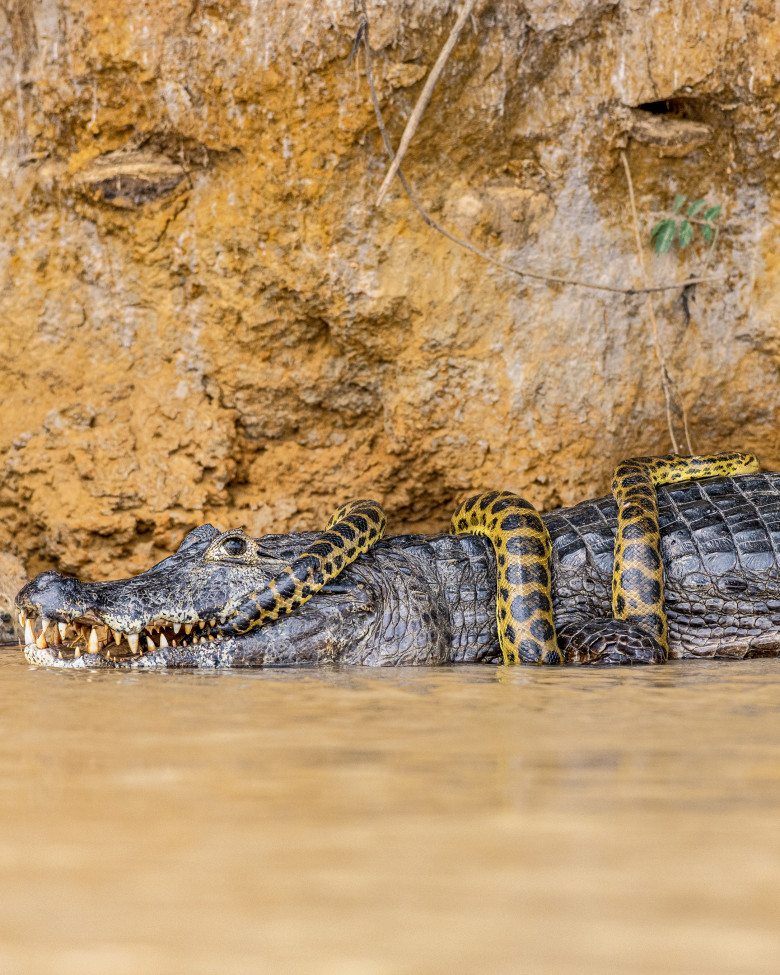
(234, 546)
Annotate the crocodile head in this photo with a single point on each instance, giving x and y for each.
(174, 614)
(171, 615)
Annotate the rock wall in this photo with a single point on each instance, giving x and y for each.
(203, 315)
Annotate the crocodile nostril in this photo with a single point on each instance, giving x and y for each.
(44, 580)
(49, 592)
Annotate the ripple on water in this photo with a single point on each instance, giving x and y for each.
(337, 820)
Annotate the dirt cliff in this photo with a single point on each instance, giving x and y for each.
(204, 316)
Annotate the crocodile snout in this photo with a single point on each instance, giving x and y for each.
(49, 594)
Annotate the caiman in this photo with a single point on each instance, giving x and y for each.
(656, 571)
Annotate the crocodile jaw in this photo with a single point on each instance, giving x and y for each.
(92, 634)
(65, 628)
(217, 654)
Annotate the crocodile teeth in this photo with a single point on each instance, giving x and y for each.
(42, 641)
(63, 628)
(176, 627)
(201, 624)
(117, 636)
(212, 622)
(54, 637)
(29, 636)
(188, 628)
(150, 643)
(163, 641)
(94, 644)
(21, 619)
(132, 642)
(77, 652)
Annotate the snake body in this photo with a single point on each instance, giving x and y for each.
(523, 559)
(523, 551)
(637, 577)
(353, 529)
(526, 631)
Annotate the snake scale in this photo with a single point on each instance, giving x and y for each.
(352, 530)
(637, 578)
(523, 561)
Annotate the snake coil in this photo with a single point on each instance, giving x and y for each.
(526, 630)
(523, 550)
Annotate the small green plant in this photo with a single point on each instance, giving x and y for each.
(682, 227)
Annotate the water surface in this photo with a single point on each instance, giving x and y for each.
(396, 821)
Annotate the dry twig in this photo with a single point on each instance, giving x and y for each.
(425, 97)
(363, 35)
(670, 395)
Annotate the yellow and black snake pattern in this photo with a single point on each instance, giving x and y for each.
(353, 529)
(523, 550)
(526, 631)
(637, 577)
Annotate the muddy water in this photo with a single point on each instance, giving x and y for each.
(340, 822)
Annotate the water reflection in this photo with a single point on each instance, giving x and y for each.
(346, 820)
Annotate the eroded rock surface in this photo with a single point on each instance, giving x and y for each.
(205, 318)
(12, 578)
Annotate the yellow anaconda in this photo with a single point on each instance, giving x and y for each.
(352, 530)
(523, 552)
(637, 577)
(526, 632)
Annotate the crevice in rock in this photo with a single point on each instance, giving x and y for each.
(667, 106)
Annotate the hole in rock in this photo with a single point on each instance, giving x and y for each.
(687, 108)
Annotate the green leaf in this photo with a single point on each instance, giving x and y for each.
(678, 202)
(694, 208)
(665, 236)
(707, 231)
(712, 213)
(685, 235)
(657, 227)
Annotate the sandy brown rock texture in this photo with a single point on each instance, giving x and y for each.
(205, 317)
(12, 578)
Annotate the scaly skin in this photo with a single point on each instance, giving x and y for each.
(351, 531)
(432, 599)
(526, 631)
(523, 549)
(637, 578)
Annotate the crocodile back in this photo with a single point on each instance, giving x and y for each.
(720, 544)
